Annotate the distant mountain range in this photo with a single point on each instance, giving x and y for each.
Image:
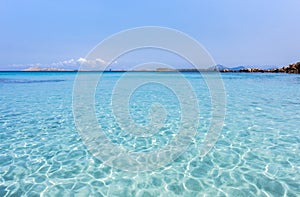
(220, 67)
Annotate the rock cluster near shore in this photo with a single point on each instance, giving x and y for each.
(292, 68)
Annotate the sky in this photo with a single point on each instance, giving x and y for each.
(56, 33)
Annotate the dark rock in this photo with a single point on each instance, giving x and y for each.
(292, 68)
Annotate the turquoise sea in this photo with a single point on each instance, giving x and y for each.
(257, 152)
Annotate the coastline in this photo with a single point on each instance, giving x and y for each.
(291, 69)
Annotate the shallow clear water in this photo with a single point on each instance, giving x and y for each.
(257, 153)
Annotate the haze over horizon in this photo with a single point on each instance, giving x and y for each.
(59, 34)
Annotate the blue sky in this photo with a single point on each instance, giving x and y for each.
(235, 32)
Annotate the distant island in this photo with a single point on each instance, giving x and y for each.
(292, 68)
(37, 69)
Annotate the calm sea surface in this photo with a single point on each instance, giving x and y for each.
(257, 153)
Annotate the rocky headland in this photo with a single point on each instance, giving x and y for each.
(292, 68)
